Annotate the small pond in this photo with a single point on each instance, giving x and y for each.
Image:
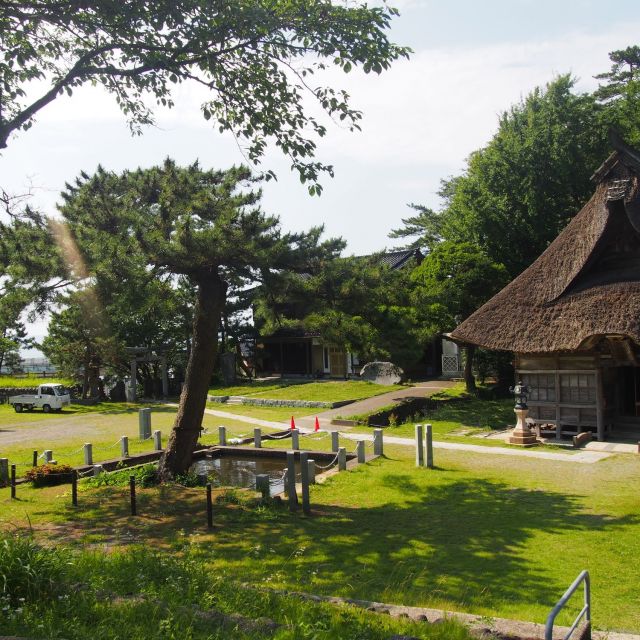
(241, 471)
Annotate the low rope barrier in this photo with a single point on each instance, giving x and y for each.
(282, 437)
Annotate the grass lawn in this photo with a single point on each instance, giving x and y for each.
(330, 391)
(275, 414)
(139, 593)
(102, 425)
(486, 534)
(31, 381)
(256, 386)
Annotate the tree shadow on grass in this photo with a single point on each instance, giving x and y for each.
(464, 542)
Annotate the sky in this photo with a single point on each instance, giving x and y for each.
(471, 61)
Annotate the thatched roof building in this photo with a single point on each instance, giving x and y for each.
(579, 299)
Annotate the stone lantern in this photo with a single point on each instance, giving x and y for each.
(521, 435)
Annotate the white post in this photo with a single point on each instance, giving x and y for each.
(48, 456)
(257, 437)
(429, 438)
(88, 453)
(419, 447)
(378, 446)
(157, 440)
(295, 439)
(222, 436)
(124, 447)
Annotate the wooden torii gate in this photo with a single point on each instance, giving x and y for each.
(148, 354)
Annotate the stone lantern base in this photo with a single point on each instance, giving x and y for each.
(522, 435)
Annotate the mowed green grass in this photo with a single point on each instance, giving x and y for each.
(19, 382)
(487, 534)
(274, 414)
(330, 391)
(256, 386)
(101, 425)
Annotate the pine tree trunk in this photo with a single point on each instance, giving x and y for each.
(186, 429)
(469, 380)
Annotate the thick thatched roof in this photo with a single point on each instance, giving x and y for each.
(585, 285)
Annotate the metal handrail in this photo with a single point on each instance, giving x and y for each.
(585, 612)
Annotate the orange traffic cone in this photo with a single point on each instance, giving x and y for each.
(293, 423)
(317, 424)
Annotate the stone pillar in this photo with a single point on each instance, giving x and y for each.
(48, 456)
(419, 447)
(134, 382)
(124, 446)
(88, 453)
(144, 423)
(295, 439)
(360, 451)
(157, 440)
(291, 480)
(312, 471)
(335, 441)
(522, 435)
(257, 438)
(97, 469)
(378, 447)
(342, 459)
(262, 485)
(304, 474)
(222, 436)
(429, 439)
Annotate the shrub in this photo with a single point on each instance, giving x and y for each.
(28, 572)
(146, 475)
(49, 474)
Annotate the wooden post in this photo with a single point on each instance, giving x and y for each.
(74, 488)
(4, 472)
(599, 405)
(304, 473)
(360, 451)
(132, 495)
(157, 440)
(35, 458)
(209, 507)
(257, 437)
(429, 438)
(378, 447)
(88, 453)
(419, 447)
(295, 439)
(312, 471)
(342, 459)
(262, 485)
(13, 481)
(124, 446)
(291, 480)
(222, 436)
(335, 441)
(558, 410)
